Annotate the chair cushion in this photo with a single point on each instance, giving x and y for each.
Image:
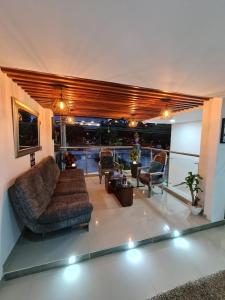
(68, 188)
(106, 162)
(50, 173)
(156, 167)
(64, 207)
(144, 178)
(31, 194)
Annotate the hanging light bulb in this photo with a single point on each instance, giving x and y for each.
(61, 106)
(166, 113)
(132, 123)
(70, 120)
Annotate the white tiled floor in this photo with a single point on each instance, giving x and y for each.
(111, 225)
(136, 274)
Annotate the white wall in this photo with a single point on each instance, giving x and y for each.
(11, 167)
(212, 160)
(185, 137)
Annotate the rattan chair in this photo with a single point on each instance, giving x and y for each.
(153, 175)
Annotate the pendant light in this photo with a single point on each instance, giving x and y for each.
(132, 123)
(70, 120)
(61, 106)
(166, 112)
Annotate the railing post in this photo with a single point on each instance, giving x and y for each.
(86, 166)
(114, 154)
(168, 166)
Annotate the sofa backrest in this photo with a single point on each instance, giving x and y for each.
(50, 173)
(29, 195)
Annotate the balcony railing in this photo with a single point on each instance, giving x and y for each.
(178, 163)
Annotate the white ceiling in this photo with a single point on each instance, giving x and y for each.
(174, 45)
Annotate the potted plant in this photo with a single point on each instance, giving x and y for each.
(192, 181)
(134, 157)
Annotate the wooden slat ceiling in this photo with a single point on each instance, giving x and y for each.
(93, 98)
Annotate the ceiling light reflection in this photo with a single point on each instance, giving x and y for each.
(71, 273)
(130, 243)
(181, 243)
(176, 233)
(134, 255)
(166, 228)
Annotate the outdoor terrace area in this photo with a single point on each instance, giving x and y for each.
(112, 228)
(156, 211)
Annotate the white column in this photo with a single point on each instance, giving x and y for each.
(212, 160)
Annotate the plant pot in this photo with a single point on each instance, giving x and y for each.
(133, 168)
(195, 210)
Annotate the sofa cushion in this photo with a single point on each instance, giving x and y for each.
(50, 173)
(31, 194)
(71, 175)
(65, 207)
(68, 188)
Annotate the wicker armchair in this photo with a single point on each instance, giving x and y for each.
(153, 175)
(106, 163)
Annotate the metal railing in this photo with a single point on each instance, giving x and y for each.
(178, 163)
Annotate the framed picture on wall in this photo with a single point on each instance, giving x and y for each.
(222, 135)
(26, 129)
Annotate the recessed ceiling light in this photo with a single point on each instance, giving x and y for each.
(176, 233)
(130, 244)
(72, 260)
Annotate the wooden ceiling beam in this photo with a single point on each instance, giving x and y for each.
(17, 73)
(99, 98)
(122, 106)
(76, 91)
(133, 93)
(67, 94)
